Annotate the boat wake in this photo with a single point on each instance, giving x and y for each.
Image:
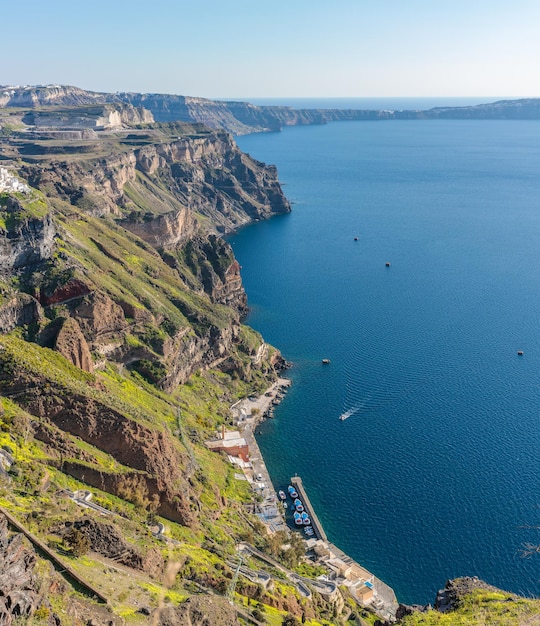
(350, 412)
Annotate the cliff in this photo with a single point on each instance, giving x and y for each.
(242, 117)
(122, 349)
(117, 263)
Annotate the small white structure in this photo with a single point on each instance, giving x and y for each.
(9, 182)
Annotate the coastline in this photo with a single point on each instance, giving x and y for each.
(368, 590)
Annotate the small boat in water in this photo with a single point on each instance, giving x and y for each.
(326, 361)
(309, 531)
(298, 519)
(292, 491)
(282, 495)
(305, 519)
(300, 508)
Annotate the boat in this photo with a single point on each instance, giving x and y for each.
(285, 505)
(305, 519)
(281, 494)
(326, 361)
(347, 414)
(297, 502)
(309, 531)
(298, 519)
(387, 263)
(292, 492)
(299, 508)
(520, 352)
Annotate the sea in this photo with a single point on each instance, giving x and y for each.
(410, 260)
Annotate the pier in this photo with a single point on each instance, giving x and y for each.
(296, 481)
(362, 584)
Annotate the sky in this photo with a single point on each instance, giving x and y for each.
(292, 48)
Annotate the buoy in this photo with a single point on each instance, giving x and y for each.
(356, 238)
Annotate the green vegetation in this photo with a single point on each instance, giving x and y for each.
(482, 607)
(149, 318)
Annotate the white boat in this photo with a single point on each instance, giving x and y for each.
(347, 414)
(292, 491)
(298, 519)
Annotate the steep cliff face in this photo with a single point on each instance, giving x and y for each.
(19, 310)
(202, 173)
(114, 267)
(25, 240)
(19, 596)
(240, 118)
(47, 94)
(98, 117)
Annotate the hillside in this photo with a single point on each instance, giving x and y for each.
(122, 350)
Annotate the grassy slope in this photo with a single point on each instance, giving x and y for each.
(482, 607)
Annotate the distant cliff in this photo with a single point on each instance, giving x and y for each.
(242, 117)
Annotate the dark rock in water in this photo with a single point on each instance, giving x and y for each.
(405, 609)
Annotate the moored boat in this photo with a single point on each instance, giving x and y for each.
(292, 491)
(305, 519)
(298, 519)
(281, 494)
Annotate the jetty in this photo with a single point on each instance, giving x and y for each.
(296, 481)
(364, 586)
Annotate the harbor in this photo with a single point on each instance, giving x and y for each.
(272, 504)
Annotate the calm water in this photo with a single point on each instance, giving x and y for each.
(436, 471)
(373, 103)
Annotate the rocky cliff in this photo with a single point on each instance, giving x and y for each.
(242, 117)
(117, 262)
(19, 595)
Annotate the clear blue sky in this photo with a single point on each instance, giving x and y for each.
(243, 48)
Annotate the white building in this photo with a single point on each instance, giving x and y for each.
(9, 182)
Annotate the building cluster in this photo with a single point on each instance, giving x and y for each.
(9, 182)
(232, 443)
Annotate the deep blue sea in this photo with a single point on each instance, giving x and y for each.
(435, 473)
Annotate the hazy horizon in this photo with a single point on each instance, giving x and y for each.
(304, 50)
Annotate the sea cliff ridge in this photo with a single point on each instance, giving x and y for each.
(122, 350)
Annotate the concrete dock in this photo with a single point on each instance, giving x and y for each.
(348, 571)
(296, 481)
